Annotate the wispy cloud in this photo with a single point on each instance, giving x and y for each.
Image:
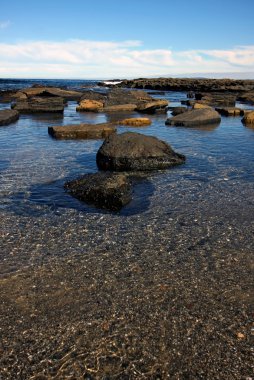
(105, 59)
(4, 24)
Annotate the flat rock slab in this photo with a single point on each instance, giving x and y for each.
(136, 122)
(82, 131)
(8, 116)
(136, 152)
(196, 117)
(110, 191)
(38, 104)
(153, 106)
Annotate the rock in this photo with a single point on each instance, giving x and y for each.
(188, 102)
(136, 122)
(153, 106)
(189, 84)
(117, 97)
(216, 99)
(230, 111)
(87, 105)
(39, 104)
(195, 118)
(82, 131)
(198, 106)
(248, 118)
(50, 91)
(8, 116)
(93, 95)
(105, 190)
(120, 107)
(247, 97)
(178, 110)
(133, 152)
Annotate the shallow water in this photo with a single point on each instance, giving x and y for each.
(34, 168)
(158, 290)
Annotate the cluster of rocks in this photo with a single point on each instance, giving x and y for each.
(127, 152)
(121, 100)
(242, 90)
(43, 99)
(186, 84)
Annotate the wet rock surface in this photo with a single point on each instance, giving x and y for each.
(131, 151)
(8, 116)
(136, 122)
(230, 111)
(248, 118)
(111, 191)
(82, 131)
(195, 117)
(38, 104)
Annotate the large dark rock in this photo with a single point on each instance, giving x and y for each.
(133, 151)
(195, 118)
(8, 117)
(105, 190)
(117, 96)
(38, 104)
(82, 131)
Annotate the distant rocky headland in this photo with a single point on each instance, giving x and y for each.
(185, 84)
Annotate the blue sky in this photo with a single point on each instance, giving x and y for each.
(107, 39)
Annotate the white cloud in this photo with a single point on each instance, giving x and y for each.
(107, 59)
(4, 24)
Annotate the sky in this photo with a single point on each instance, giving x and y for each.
(108, 39)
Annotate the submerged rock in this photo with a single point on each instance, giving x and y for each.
(134, 151)
(82, 131)
(105, 190)
(8, 116)
(195, 118)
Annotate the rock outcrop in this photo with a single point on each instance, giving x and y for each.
(105, 190)
(118, 99)
(134, 152)
(188, 84)
(38, 104)
(195, 118)
(8, 116)
(49, 91)
(82, 131)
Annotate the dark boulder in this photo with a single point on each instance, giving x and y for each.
(132, 151)
(105, 190)
(8, 116)
(197, 117)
